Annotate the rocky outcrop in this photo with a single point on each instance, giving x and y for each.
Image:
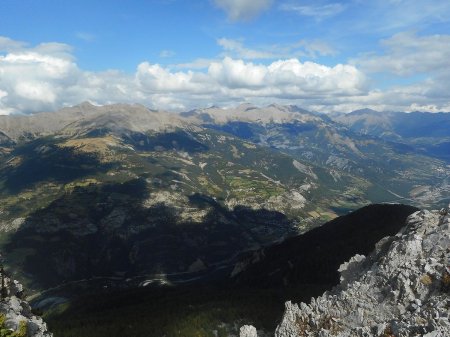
(16, 314)
(248, 331)
(401, 289)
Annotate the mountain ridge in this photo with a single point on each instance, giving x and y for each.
(401, 289)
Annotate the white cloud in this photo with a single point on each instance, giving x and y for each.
(36, 91)
(166, 53)
(7, 44)
(238, 48)
(236, 78)
(47, 77)
(232, 74)
(393, 16)
(401, 98)
(3, 109)
(315, 10)
(428, 107)
(200, 63)
(34, 77)
(302, 48)
(404, 13)
(84, 36)
(314, 48)
(242, 10)
(410, 54)
(152, 78)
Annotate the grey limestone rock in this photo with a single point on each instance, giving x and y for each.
(248, 331)
(17, 312)
(401, 289)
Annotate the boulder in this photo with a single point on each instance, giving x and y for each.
(248, 331)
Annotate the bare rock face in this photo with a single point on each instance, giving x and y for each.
(16, 314)
(248, 331)
(401, 289)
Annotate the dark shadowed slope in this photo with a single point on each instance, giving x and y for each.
(314, 257)
(191, 310)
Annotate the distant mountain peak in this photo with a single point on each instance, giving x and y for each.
(364, 111)
(76, 120)
(277, 106)
(86, 104)
(290, 108)
(246, 107)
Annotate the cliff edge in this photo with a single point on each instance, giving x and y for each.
(401, 289)
(16, 316)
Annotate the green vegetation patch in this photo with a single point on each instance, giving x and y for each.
(5, 332)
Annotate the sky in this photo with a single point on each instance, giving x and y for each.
(388, 55)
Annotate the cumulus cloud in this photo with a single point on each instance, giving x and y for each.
(242, 10)
(232, 74)
(229, 78)
(35, 77)
(47, 77)
(152, 78)
(416, 97)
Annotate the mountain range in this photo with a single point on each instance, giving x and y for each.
(124, 197)
(427, 133)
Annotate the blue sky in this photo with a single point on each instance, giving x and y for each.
(177, 54)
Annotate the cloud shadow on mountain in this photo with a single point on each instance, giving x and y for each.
(43, 161)
(109, 231)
